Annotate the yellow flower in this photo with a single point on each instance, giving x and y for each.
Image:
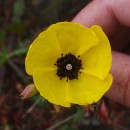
(70, 64)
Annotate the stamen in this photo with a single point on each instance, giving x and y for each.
(68, 66)
(78, 56)
(67, 80)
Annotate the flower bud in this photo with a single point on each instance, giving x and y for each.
(29, 91)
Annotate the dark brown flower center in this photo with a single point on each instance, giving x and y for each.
(68, 66)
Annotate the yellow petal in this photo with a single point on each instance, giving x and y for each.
(50, 86)
(97, 61)
(87, 89)
(43, 52)
(74, 38)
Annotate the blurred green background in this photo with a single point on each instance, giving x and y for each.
(20, 22)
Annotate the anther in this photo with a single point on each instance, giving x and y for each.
(78, 56)
(68, 66)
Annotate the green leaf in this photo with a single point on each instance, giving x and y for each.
(17, 27)
(78, 116)
(3, 55)
(18, 52)
(2, 35)
(19, 7)
(42, 104)
(67, 127)
(18, 10)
